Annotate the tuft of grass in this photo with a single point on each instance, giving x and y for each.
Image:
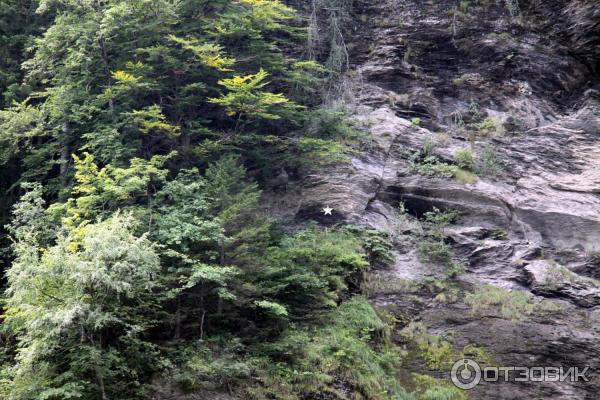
(464, 159)
(513, 305)
(558, 275)
(465, 177)
(461, 80)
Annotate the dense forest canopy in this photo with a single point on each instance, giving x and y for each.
(136, 137)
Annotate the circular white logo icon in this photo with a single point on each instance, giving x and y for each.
(466, 374)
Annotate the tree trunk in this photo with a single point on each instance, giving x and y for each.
(100, 379)
(202, 294)
(222, 262)
(64, 156)
(178, 318)
(98, 371)
(202, 325)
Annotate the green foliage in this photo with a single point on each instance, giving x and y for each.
(465, 177)
(192, 236)
(351, 346)
(443, 393)
(183, 219)
(431, 166)
(209, 54)
(435, 250)
(308, 272)
(464, 159)
(100, 191)
(489, 126)
(151, 121)
(415, 122)
(378, 246)
(275, 309)
(441, 219)
(247, 102)
(30, 225)
(19, 125)
(307, 79)
(18, 22)
(331, 124)
(89, 87)
(84, 311)
(461, 80)
(269, 13)
(438, 353)
(513, 305)
(489, 163)
(558, 276)
(315, 151)
(216, 360)
(141, 231)
(430, 388)
(436, 253)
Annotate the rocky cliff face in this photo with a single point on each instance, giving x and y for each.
(519, 89)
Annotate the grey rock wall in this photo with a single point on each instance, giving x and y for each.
(534, 77)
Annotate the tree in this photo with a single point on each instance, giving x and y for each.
(213, 233)
(99, 192)
(18, 22)
(191, 234)
(308, 271)
(80, 316)
(248, 103)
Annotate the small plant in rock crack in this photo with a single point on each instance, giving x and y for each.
(464, 159)
(428, 146)
(488, 162)
(499, 234)
(432, 167)
(435, 250)
(441, 219)
(474, 109)
(461, 80)
(488, 127)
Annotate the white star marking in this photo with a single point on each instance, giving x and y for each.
(327, 210)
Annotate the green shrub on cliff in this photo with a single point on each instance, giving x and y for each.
(464, 159)
(352, 347)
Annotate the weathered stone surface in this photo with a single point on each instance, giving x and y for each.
(536, 78)
(551, 279)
